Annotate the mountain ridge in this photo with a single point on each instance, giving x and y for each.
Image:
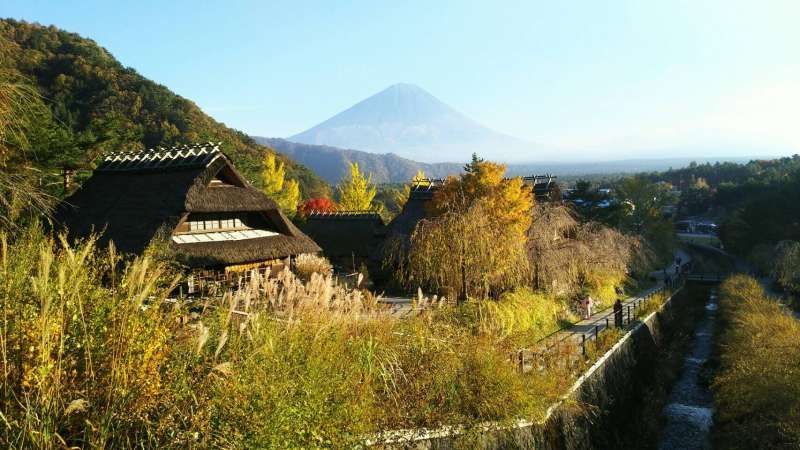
(330, 163)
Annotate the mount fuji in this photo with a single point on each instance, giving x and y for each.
(406, 120)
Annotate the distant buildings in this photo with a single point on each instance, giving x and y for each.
(544, 187)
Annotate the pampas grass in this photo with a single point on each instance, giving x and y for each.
(95, 354)
(307, 264)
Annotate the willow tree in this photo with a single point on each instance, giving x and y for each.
(473, 243)
(356, 192)
(286, 193)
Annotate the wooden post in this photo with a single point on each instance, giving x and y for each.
(583, 344)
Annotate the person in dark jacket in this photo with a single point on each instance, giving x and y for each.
(618, 313)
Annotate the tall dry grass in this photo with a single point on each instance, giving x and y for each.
(307, 264)
(96, 355)
(757, 387)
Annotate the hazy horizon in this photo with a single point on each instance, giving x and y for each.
(589, 81)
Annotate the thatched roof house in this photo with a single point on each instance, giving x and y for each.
(347, 238)
(545, 188)
(421, 194)
(190, 196)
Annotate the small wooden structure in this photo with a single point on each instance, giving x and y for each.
(544, 187)
(348, 238)
(189, 197)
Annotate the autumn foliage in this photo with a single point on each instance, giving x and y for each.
(321, 204)
(285, 192)
(757, 383)
(356, 192)
(473, 243)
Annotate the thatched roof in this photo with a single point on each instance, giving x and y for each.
(228, 199)
(346, 233)
(132, 197)
(414, 209)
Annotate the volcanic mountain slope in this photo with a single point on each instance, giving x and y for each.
(407, 120)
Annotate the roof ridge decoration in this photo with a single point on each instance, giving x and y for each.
(366, 213)
(540, 179)
(179, 156)
(426, 184)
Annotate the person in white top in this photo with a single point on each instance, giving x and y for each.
(589, 306)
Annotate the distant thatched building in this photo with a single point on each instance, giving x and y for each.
(347, 238)
(414, 210)
(545, 188)
(191, 197)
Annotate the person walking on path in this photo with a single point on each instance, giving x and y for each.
(618, 313)
(589, 306)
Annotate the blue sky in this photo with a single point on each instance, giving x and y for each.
(608, 78)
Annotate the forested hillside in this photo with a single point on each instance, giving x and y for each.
(756, 202)
(88, 103)
(332, 163)
(755, 205)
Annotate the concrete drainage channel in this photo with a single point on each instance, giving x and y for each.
(689, 413)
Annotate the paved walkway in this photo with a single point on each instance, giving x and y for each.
(402, 307)
(600, 320)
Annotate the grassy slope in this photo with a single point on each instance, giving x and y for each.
(757, 387)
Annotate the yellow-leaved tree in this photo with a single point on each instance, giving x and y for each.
(356, 193)
(473, 242)
(286, 193)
